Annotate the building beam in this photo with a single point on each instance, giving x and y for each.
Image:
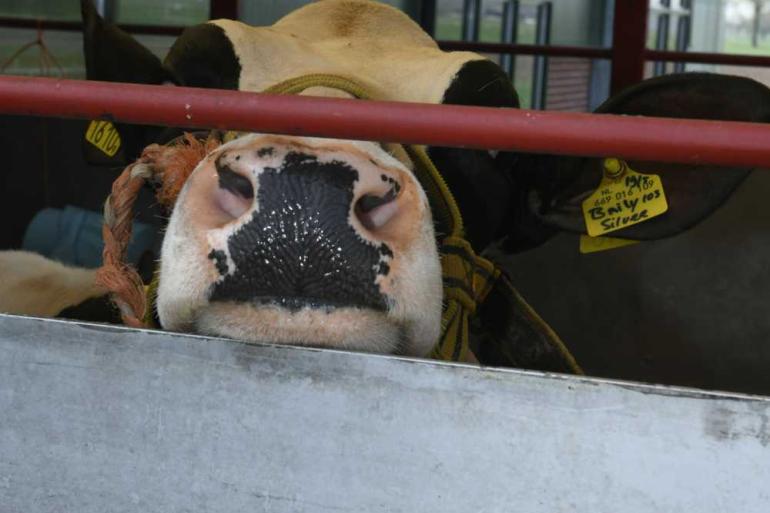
(223, 9)
(629, 38)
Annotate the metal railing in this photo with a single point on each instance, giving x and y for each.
(632, 137)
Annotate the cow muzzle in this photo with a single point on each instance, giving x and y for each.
(308, 239)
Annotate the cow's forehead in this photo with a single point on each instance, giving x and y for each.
(374, 44)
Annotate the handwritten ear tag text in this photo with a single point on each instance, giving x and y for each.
(104, 136)
(624, 198)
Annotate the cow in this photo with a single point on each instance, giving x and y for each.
(332, 243)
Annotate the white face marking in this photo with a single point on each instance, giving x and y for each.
(411, 323)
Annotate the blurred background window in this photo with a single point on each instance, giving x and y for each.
(555, 83)
(713, 26)
(62, 50)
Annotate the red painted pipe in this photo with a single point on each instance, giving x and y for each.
(672, 140)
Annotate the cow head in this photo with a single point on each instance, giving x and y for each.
(289, 239)
(331, 242)
(303, 240)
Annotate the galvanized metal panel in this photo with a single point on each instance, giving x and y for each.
(98, 418)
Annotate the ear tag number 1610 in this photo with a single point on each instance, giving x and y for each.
(104, 136)
(624, 198)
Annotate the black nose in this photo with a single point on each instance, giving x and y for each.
(299, 247)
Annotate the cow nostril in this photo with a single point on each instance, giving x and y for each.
(235, 193)
(234, 182)
(374, 212)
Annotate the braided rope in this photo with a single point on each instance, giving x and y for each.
(120, 278)
(169, 167)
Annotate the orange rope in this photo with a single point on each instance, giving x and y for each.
(169, 167)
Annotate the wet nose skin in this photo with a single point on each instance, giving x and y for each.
(313, 230)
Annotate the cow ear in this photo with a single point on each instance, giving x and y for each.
(553, 187)
(479, 184)
(112, 55)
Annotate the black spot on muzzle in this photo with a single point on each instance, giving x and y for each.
(299, 249)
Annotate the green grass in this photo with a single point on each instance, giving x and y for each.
(450, 28)
(51, 10)
(163, 12)
(66, 47)
(743, 46)
(145, 12)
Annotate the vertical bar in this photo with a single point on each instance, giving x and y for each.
(540, 71)
(683, 33)
(509, 33)
(471, 19)
(661, 38)
(100, 7)
(629, 35)
(107, 9)
(428, 16)
(599, 89)
(223, 9)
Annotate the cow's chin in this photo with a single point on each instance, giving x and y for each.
(356, 329)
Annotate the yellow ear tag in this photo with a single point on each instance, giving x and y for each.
(104, 136)
(596, 244)
(624, 198)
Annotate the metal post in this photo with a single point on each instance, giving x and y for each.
(107, 9)
(540, 71)
(661, 38)
(509, 33)
(599, 88)
(629, 35)
(471, 20)
(683, 33)
(428, 16)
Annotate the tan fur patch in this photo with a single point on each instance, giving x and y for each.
(31, 284)
(351, 38)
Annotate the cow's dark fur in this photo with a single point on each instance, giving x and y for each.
(203, 57)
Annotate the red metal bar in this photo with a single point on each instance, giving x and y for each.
(522, 49)
(723, 143)
(76, 26)
(629, 36)
(707, 58)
